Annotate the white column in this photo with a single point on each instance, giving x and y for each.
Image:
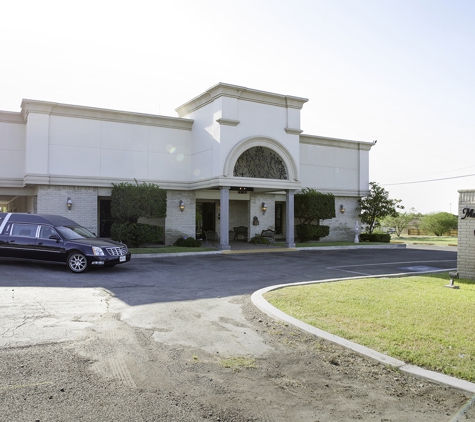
(224, 221)
(289, 219)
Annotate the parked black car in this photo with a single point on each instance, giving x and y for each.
(55, 238)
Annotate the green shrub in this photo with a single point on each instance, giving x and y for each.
(257, 239)
(130, 202)
(307, 232)
(188, 242)
(136, 234)
(375, 237)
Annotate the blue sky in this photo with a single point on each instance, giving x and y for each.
(400, 72)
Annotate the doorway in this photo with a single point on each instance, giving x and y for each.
(205, 218)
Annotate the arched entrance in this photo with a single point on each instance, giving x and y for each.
(265, 167)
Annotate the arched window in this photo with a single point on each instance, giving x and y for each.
(260, 162)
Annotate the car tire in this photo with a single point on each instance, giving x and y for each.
(77, 262)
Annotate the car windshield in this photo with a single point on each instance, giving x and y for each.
(75, 232)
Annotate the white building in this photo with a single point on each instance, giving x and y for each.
(227, 138)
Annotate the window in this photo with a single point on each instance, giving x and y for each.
(46, 232)
(26, 230)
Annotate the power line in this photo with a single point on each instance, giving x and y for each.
(425, 181)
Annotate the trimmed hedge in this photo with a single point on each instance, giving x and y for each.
(308, 231)
(375, 237)
(189, 242)
(136, 234)
(257, 239)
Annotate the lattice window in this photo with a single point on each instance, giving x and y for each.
(260, 162)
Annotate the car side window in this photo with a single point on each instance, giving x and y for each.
(26, 230)
(46, 232)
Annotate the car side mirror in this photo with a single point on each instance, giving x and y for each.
(55, 237)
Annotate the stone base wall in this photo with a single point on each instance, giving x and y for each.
(177, 223)
(238, 215)
(343, 225)
(265, 221)
(53, 200)
(466, 235)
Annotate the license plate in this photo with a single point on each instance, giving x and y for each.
(122, 259)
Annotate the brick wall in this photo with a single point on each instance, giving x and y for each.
(342, 226)
(53, 199)
(179, 223)
(466, 236)
(267, 220)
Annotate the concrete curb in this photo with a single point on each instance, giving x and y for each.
(258, 300)
(355, 246)
(268, 250)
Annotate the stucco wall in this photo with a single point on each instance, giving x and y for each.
(213, 142)
(12, 151)
(105, 149)
(339, 170)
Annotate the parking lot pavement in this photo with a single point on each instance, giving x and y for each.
(46, 303)
(141, 324)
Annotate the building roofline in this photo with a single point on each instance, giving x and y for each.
(241, 93)
(82, 112)
(335, 142)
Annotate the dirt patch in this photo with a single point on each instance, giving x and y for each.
(121, 372)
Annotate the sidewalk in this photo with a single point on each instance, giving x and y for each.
(240, 247)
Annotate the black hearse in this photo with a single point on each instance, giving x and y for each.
(55, 238)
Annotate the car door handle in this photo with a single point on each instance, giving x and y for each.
(40, 243)
(11, 241)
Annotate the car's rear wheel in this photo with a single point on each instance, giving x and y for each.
(77, 262)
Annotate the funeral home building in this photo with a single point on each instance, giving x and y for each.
(232, 157)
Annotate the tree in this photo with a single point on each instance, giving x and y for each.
(438, 223)
(310, 207)
(131, 202)
(400, 221)
(376, 206)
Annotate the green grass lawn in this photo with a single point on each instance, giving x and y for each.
(415, 319)
(430, 240)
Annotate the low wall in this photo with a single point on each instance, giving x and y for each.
(466, 234)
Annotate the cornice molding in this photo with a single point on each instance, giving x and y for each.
(228, 122)
(36, 179)
(68, 110)
(344, 192)
(11, 182)
(241, 93)
(267, 184)
(291, 131)
(335, 142)
(11, 117)
(32, 180)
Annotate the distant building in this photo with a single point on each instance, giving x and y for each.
(231, 150)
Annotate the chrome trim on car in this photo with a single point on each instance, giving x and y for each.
(4, 222)
(117, 251)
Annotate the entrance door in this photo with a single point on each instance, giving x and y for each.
(278, 218)
(209, 216)
(105, 218)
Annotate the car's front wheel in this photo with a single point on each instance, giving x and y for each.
(77, 262)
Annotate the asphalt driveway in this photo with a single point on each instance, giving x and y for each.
(191, 307)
